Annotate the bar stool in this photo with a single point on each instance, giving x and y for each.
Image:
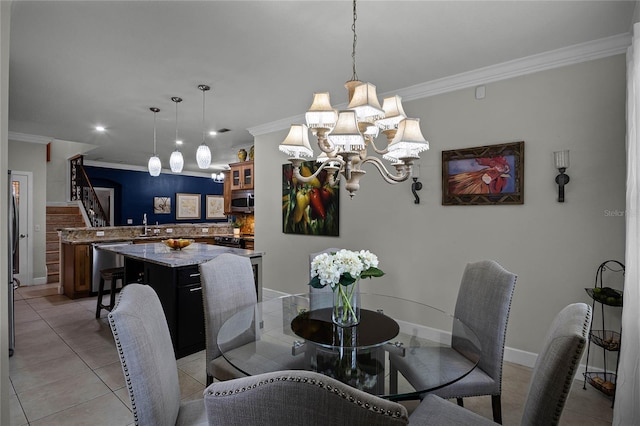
(112, 275)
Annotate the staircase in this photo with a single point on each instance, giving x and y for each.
(59, 217)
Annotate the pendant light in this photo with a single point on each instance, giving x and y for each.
(154, 162)
(203, 154)
(176, 162)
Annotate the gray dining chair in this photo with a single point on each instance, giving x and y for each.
(483, 304)
(148, 361)
(227, 286)
(552, 377)
(292, 398)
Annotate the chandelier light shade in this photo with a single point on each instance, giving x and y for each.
(203, 154)
(346, 133)
(345, 138)
(365, 103)
(408, 137)
(154, 165)
(176, 161)
(321, 115)
(296, 144)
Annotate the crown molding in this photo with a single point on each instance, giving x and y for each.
(25, 137)
(122, 166)
(578, 53)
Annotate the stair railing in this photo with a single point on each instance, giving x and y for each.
(81, 189)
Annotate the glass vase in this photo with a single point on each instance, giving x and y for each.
(346, 309)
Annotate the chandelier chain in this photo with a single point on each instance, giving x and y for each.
(355, 40)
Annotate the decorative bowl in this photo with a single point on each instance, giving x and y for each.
(177, 243)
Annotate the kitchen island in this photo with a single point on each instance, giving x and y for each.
(175, 276)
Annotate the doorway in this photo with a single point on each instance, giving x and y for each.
(105, 197)
(21, 182)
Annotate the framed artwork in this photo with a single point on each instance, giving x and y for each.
(215, 207)
(311, 208)
(161, 205)
(187, 206)
(492, 174)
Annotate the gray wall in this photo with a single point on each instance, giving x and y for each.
(554, 247)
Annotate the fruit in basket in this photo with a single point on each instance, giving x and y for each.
(607, 295)
(177, 243)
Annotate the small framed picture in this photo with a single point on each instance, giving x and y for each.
(215, 207)
(161, 205)
(492, 174)
(187, 206)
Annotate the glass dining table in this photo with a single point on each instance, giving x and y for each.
(297, 332)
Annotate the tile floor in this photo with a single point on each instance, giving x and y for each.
(66, 371)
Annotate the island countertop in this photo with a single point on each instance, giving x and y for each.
(160, 254)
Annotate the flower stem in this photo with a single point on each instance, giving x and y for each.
(346, 295)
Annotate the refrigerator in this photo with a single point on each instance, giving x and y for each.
(12, 252)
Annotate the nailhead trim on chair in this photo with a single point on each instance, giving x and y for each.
(568, 381)
(134, 409)
(315, 382)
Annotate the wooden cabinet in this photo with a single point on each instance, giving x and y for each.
(76, 270)
(241, 175)
(227, 191)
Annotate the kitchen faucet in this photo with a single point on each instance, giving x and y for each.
(144, 223)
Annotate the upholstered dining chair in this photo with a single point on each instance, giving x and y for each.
(483, 304)
(551, 380)
(227, 286)
(292, 398)
(148, 361)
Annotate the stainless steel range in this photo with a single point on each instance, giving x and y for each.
(229, 241)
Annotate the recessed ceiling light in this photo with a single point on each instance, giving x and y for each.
(213, 133)
(178, 142)
(100, 128)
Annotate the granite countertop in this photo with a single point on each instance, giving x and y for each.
(160, 254)
(136, 233)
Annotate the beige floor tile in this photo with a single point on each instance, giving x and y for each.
(35, 291)
(58, 396)
(16, 415)
(189, 385)
(32, 326)
(112, 375)
(195, 368)
(123, 395)
(105, 410)
(24, 312)
(99, 355)
(46, 302)
(37, 353)
(48, 371)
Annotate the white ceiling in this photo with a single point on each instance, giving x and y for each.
(77, 64)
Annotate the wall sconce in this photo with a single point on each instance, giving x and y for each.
(561, 159)
(416, 186)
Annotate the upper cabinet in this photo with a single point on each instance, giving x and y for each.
(241, 175)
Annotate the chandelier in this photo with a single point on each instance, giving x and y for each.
(344, 137)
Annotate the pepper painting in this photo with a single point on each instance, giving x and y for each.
(309, 208)
(490, 174)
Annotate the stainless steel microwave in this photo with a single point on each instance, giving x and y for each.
(242, 201)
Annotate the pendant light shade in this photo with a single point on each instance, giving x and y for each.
(154, 164)
(296, 144)
(203, 154)
(176, 162)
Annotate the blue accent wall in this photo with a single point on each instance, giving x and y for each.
(134, 192)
